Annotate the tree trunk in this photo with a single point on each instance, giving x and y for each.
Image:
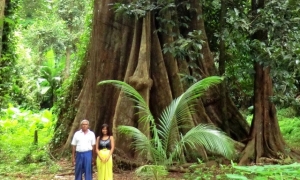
(265, 140)
(222, 66)
(212, 104)
(7, 57)
(68, 62)
(128, 49)
(2, 6)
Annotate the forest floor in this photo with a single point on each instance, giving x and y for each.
(208, 170)
(66, 172)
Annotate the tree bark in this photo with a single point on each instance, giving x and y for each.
(211, 102)
(266, 140)
(222, 66)
(2, 6)
(68, 63)
(128, 49)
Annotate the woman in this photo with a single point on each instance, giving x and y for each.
(105, 146)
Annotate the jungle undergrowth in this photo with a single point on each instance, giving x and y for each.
(21, 157)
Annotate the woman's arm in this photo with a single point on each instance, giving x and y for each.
(97, 146)
(112, 148)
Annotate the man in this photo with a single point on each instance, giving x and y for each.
(83, 143)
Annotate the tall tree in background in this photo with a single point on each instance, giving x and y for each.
(73, 14)
(131, 49)
(266, 141)
(7, 54)
(222, 64)
(2, 6)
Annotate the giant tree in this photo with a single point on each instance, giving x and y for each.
(148, 45)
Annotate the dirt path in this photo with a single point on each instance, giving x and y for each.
(126, 175)
(67, 173)
(117, 176)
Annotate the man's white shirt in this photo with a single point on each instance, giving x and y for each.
(84, 142)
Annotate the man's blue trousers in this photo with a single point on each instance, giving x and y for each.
(83, 165)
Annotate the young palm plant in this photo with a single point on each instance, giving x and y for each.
(167, 145)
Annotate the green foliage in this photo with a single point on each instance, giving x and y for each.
(19, 153)
(41, 36)
(43, 31)
(279, 19)
(290, 171)
(190, 46)
(155, 171)
(166, 146)
(139, 8)
(289, 124)
(290, 128)
(239, 63)
(38, 90)
(49, 80)
(228, 172)
(280, 50)
(285, 114)
(73, 14)
(200, 171)
(20, 157)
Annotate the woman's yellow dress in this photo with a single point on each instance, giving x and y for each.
(105, 171)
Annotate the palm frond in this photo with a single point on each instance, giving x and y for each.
(135, 96)
(168, 127)
(141, 143)
(186, 103)
(209, 137)
(199, 88)
(158, 156)
(179, 111)
(157, 142)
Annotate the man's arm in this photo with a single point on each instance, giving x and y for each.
(94, 154)
(94, 148)
(73, 154)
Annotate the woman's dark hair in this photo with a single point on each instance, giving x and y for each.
(108, 130)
